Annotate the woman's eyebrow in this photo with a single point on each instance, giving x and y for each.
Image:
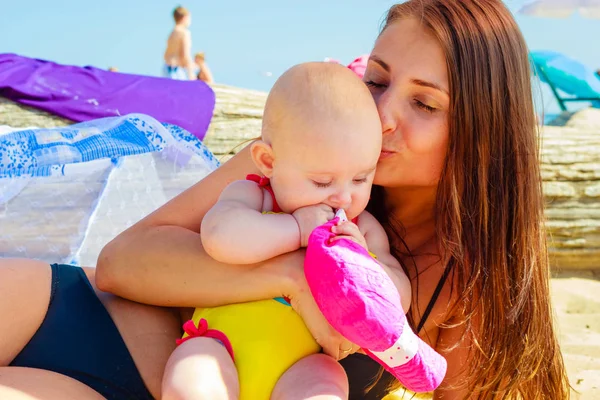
(418, 82)
(432, 85)
(381, 63)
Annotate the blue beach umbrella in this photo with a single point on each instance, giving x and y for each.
(560, 72)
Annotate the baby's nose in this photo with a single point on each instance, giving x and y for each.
(341, 199)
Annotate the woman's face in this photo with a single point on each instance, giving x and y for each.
(407, 76)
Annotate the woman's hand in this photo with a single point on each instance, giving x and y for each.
(301, 299)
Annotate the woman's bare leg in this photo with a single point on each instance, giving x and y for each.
(18, 383)
(316, 377)
(24, 298)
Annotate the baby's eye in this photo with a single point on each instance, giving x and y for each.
(322, 184)
(359, 181)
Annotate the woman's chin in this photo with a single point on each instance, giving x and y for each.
(381, 179)
(383, 174)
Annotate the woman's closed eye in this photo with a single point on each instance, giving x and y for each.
(424, 107)
(374, 85)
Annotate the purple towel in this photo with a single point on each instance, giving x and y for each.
(85, 93)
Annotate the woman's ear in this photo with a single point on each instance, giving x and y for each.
(263, 157)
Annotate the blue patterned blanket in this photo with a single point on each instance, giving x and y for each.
(65, 192)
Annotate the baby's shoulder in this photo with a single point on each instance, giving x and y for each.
(243, 186)
(244, 191)
(366, 221)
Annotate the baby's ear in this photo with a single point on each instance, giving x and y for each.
(263, 157)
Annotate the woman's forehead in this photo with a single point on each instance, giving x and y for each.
(407, 47)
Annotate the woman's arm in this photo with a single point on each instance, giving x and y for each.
(451, 345)
(160, 260)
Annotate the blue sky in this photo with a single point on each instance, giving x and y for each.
(242, 39)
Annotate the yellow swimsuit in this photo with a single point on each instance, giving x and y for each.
(267, 337)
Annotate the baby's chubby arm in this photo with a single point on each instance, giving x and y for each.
(235, 230)
(378, 244)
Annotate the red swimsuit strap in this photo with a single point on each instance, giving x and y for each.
(265, 183)
(202, 330)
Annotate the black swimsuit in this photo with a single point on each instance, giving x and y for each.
(79, 339)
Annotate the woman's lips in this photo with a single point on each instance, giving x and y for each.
(386, 154)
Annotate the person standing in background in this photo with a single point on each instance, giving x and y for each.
(178, 58)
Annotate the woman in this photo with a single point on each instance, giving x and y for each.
(459, 191)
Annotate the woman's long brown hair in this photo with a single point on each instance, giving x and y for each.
(489, 211)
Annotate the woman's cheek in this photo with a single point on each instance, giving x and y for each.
(427, 138)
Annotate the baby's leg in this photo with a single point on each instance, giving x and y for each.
(200, 368)
(316, 377)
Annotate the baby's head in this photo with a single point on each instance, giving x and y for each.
(321, 139)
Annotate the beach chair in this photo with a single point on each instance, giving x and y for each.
(569, 80)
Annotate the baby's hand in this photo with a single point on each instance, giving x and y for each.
(308, 218)
(349, 230)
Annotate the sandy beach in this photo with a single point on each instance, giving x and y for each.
(576, 300)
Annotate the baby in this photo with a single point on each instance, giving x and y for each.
(321, 140)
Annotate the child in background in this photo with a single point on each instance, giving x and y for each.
(204, 73)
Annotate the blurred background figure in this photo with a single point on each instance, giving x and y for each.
(204, 73)
(178, 58)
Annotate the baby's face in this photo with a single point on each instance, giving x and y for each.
(332, 167)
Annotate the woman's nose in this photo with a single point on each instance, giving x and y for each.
(387, 113)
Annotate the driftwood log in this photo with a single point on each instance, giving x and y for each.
(570, 166)
(571, 173)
